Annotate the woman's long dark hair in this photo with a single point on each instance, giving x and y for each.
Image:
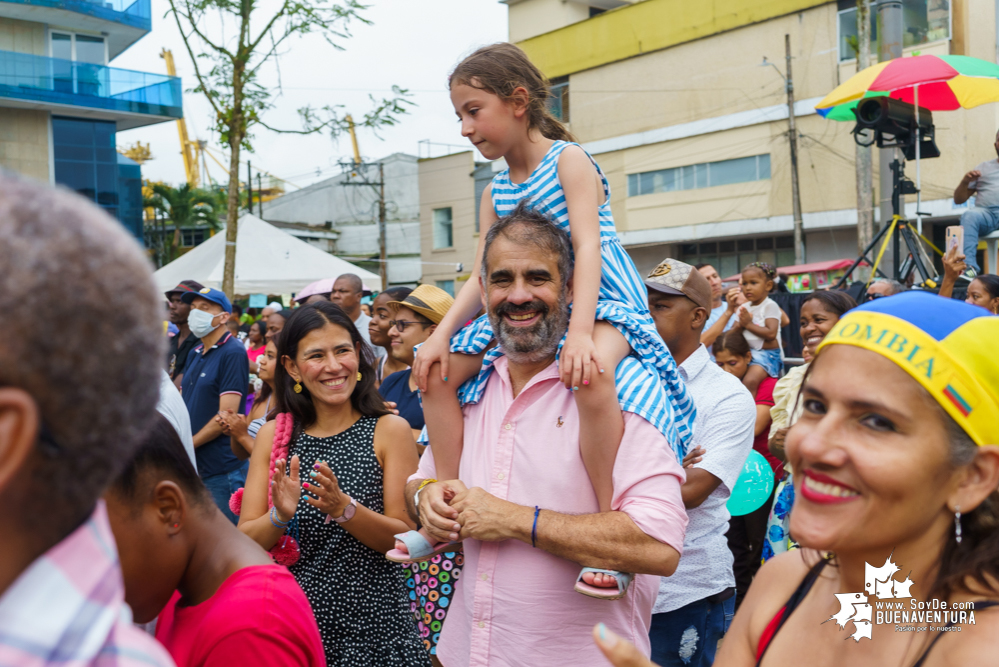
(365, 398)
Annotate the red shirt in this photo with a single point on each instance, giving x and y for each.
(765, 396)
(259, 615)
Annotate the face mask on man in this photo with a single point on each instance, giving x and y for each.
(201, 322)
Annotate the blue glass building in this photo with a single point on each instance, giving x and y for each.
(61, 104)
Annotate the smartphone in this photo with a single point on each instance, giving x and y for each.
(955, 238)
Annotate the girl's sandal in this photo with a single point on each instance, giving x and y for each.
(623, 580)
(418, 548)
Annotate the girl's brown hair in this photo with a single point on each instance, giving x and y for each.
(502, 68)
(733, 342)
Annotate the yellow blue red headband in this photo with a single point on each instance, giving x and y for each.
(945, 345)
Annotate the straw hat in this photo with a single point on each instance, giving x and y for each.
(427, 300)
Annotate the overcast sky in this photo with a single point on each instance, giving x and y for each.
(410, 44)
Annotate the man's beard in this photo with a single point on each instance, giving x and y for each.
(537, 342)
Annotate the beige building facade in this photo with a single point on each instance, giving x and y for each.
(450, 191)
(684, 107)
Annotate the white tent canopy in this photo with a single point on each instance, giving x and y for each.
(268, 261)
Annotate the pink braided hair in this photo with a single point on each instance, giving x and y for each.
(284, 423)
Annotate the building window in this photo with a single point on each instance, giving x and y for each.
(596, 11)
(443, 228)
(730, 257)
(923, 21)
(703, 175)
(447, 286)
(192, 237)
(558, 103)
(86, 160)
(81, 48)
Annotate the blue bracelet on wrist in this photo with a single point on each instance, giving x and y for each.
(534, 529)
(275, 521)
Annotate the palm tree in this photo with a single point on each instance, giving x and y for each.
(184, 207)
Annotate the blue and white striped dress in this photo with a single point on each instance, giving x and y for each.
(651, 388)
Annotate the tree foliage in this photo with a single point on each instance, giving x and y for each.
(181, 207)
(228, 54)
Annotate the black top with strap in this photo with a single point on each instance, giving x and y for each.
(777, 622)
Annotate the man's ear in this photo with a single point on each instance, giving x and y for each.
(482, 293)
(19, 424)
(698, 318)
(431, 329)
(568, 289)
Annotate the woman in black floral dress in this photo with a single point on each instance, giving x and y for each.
(339, 465)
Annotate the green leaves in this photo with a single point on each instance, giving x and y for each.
(228, 55)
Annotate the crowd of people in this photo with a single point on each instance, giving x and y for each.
(540, 470)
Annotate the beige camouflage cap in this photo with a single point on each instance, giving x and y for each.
(675, 277)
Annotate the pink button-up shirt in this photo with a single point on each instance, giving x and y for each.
(515, 605)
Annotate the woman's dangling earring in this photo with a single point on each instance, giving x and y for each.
(957, 524)
(298, 387)
(359, 376)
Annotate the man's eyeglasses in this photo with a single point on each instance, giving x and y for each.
(402, 324)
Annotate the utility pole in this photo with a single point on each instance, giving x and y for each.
(359, 169)
(889, 47)
(249, 187)
(355, 168)
(792, 135)
(260, 197)
(383, 264)
(865, 177)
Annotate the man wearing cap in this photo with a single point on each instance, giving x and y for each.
(180, 346)
(216, 380)
(414, 319)
(347, 292)
(695, 606)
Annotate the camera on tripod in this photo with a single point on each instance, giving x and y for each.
(908, 126)
(887, 116)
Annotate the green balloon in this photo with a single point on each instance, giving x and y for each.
(755, 483)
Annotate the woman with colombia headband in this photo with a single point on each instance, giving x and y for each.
(890, 464)
(894, 457)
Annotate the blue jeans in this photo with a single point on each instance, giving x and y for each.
(224, 484)
(977, 222)
(688, 636)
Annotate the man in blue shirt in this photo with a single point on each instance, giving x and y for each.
(216, 379)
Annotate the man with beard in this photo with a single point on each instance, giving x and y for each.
(524, 505)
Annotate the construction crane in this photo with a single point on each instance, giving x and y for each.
(353, 139)
(137, 152)
(189, 150)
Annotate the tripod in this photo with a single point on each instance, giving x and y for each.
(898, 230)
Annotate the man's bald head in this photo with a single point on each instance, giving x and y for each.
(89, 365)
(347, 291)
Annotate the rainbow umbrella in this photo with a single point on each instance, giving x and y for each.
(942, 83)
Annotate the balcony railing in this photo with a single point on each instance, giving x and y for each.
(136, 13)
(56, 81)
